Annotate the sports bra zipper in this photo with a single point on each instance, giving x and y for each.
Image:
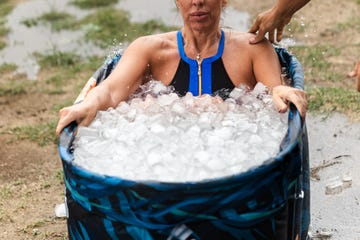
(199, 61)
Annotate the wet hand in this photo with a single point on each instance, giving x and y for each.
(268, 22)
(78, 113)
(282, 95)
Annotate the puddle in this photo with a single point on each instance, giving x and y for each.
(23, 42)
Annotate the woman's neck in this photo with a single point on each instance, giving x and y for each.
(201, 44)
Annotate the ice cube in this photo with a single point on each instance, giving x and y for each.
(157, 128)
(158, 88)
(154, 156)
(61, 210)
(334, 186)
(167, 99)
(178, 108)
(164, 137)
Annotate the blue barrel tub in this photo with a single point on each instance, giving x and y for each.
(271, 201)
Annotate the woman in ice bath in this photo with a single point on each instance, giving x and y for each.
(201, 58)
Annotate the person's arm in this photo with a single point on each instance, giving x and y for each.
(124, 79)
(266, 68)
(274, 20)
(265, 64)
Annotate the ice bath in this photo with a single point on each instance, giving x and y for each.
(156, 206)
(158, 136)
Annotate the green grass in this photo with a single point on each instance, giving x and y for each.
(315, 61)
(66, 73)
(316, 56)
(57, 20)
(42, 134)
(56, 81)
(103, 27)
(353, 23)
(13, 88)
(5, 8)
(68, 61)
(66, 70)
(329, 99)
(59, 176)
(2, 44)
(31, 22)
(56, 84)
(7, 68)
(5, 192)
(57, 59)
(107, 25)
(3, 30)
(13, 85)
(86, 4)
(324, 89)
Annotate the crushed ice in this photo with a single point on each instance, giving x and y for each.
(157, 135)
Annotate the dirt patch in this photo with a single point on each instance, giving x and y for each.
(30, 175)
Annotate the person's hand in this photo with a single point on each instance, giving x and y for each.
(356, 71)
(269, 22)
(282, 95)
(81, 114)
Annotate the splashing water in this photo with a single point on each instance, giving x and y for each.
(157, 135)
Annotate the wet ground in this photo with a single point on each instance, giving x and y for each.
(334, 153)
(23, 41)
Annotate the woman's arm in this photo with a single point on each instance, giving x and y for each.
(267, 70)
(124, 79)
(265, 64)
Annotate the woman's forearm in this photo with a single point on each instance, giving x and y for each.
(99, 98)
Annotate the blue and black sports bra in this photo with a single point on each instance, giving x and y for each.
(206, 77)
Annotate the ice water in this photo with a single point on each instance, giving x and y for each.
(157, 135)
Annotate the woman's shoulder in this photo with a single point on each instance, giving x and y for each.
(242, 39)
(237, 35)
(152, 46)
(159, 40)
